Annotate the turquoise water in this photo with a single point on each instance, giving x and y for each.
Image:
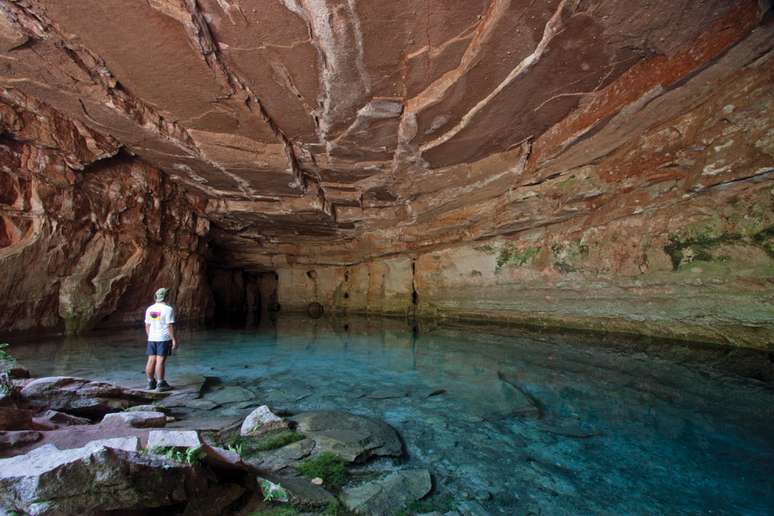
(517, 423)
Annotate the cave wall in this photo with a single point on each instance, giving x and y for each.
(661, 222)
(601, 164)
(87, 233)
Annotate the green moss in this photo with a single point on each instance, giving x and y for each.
(437, 503)
(250, 446)
(700, 246)
(336, 509)
(568, 255)
(511, 256)
(328, 466)
(566, 183)
(277, 511)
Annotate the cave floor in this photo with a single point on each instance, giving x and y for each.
(509, 422)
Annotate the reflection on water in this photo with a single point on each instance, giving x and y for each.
(508, 422)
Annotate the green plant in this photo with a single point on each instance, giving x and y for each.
(190, 456)
(273, 492)
(328, 466)
(7, 361)
(509, 255)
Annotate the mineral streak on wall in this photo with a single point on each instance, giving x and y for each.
(597, 164)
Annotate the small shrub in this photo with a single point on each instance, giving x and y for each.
(328, 466)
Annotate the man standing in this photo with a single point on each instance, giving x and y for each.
(159, 327)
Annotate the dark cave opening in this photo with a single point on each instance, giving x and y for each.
(242, 298)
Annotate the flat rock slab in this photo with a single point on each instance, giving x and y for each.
(103, 475)
(301, 492)
(260, 421)
(54, 417)
(282, 458)
(387, 495)
(81, 396)
(353, 438)
(136, 419)
(173, 439)
(148, 408)
(231, 394)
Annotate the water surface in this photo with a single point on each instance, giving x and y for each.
(508, 422)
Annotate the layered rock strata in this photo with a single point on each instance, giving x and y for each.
(598, 164)
(87, 232)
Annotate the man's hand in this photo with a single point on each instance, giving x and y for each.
(174, 344)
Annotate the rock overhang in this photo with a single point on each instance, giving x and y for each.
(366, 127)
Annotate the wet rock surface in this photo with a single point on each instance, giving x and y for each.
(353, 438)
(389, 494)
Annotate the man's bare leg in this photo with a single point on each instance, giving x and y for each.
(150, 367)
(160, 360)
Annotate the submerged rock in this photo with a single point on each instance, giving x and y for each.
(101, 476)
(81, 396)
(388, 494)
(353, 438)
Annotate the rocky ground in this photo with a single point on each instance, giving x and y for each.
(77, 446)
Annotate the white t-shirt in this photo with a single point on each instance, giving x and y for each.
(159, 316)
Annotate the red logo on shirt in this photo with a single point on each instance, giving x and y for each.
(155, 315)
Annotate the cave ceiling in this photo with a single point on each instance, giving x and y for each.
(341, 129)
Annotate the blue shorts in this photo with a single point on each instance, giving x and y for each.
(162, 348)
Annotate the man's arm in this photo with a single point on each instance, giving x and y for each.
(147, 329)
(171, 328)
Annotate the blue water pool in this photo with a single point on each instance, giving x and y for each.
(508, 421)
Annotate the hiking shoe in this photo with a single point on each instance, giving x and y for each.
(151, 384)
(163, 386)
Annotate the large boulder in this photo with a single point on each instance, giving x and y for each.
(353, 438)
(104, 475)
(82, 397)
(389, 494)
(260, 421)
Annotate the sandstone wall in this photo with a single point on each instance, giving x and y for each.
(658, 221)
(87, 233)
